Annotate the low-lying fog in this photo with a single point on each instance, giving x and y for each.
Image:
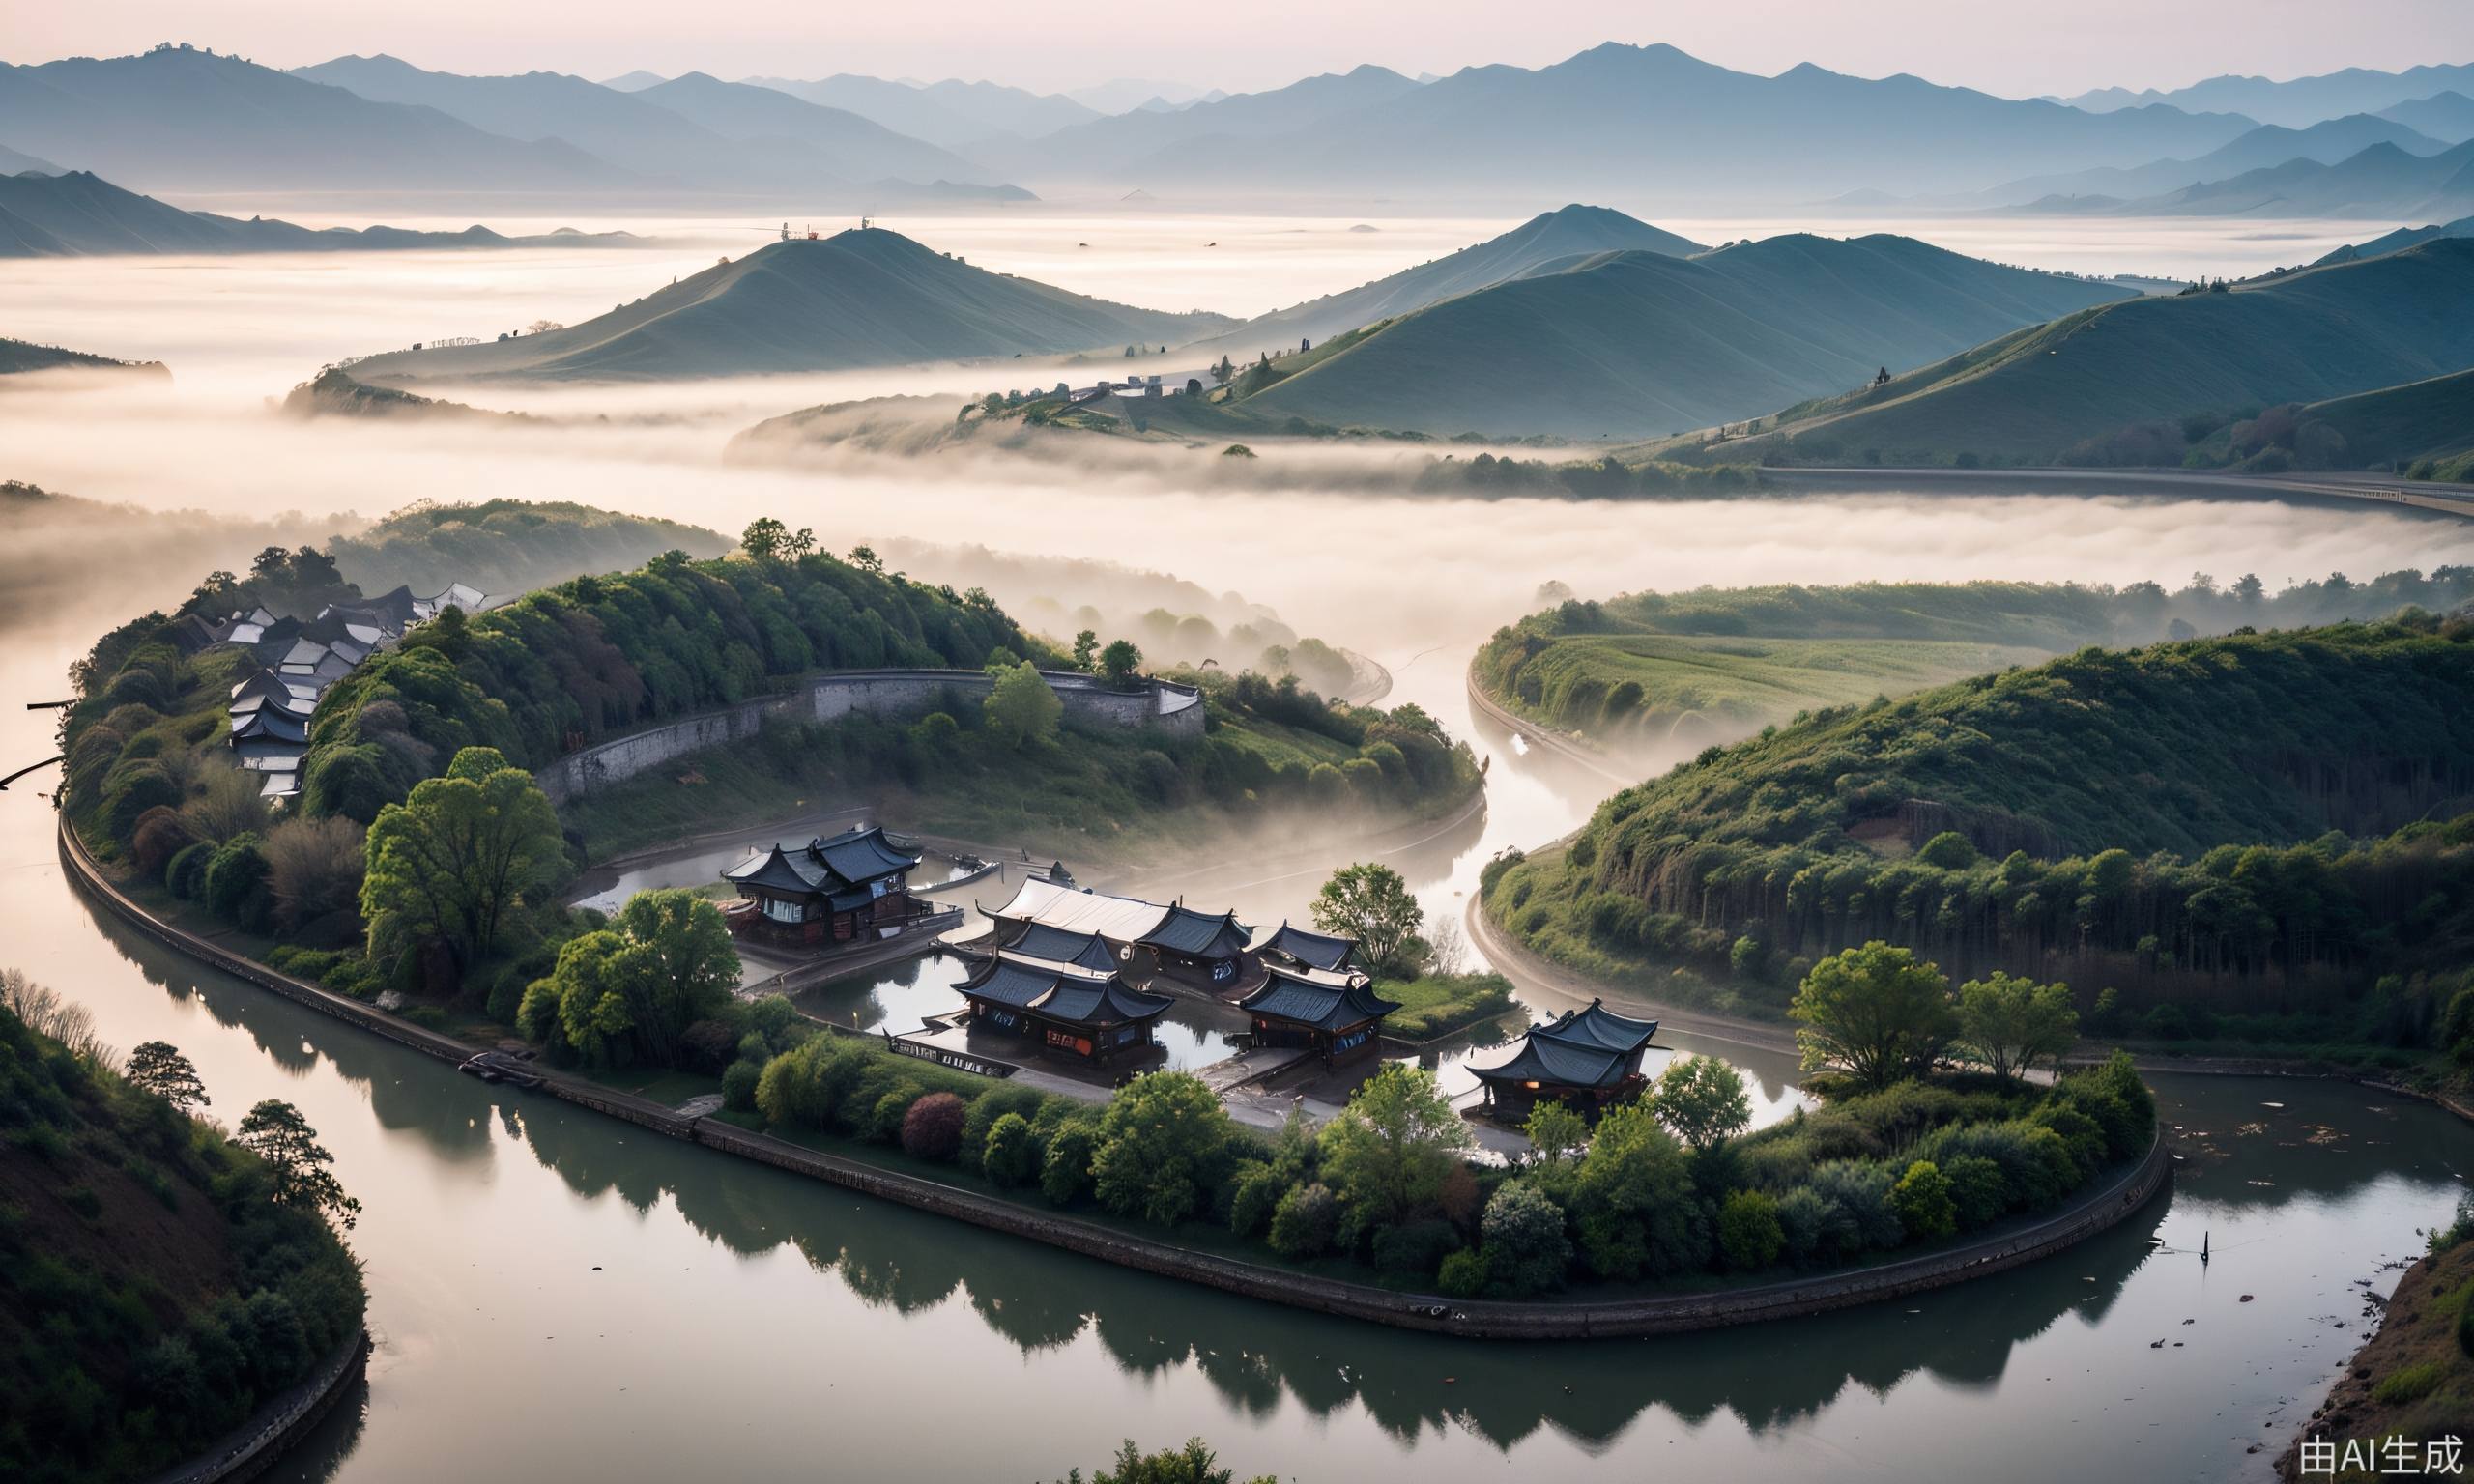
(1375, 572)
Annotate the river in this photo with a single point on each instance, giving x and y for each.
(562, 1297)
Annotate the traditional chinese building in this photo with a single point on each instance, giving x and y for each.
(1192, 945)
(1066, 1008)
(853, 885)
(1336, 1015)
(1587, 1058)
(1197, 945)
(1305, 950)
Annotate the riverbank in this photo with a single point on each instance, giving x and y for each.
(260, 1442)
(2412, 1377)
(2117, 1197)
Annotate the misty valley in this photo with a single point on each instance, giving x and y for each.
(1258, 780)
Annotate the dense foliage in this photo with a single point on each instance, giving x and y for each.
(156, 1287)
(567, 666)
(2220, 826)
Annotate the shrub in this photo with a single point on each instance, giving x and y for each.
(236, 883)
(933, 1127)
(2408, 1383)
(991, 1106)
(313, 868)
(891, 1108)
(1065, 1171)
(160, 833)
(738, 1086)
(1861, 1219)
(1011, 1155)
(2080, 1133)
(1254, 1194)
(1522, 1236)
(1977, 1194)
(1464, 1274)
(1921, 1198)
(185, 873)
(1304, 1221)
(1750, 1237)
(1803, 1217)
(1411, 1251)
(132, 788)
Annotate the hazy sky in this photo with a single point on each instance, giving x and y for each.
(2000, 46)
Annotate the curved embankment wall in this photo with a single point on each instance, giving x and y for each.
(253, 1447)
(2120, 1193)
(1175, 709)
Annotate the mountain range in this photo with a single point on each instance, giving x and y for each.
(2398, 241)
(1573, 230)
(957, 115)
(2447, 116)
(1626, 343)
(76, 213)
(2383, 180)
(861, 298)
(2295, 103)
(17, 357)
(2328, 142)
(2308, 337)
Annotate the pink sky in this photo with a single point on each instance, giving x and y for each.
(1999, 45)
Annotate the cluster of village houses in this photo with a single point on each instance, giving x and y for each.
(297, 659)
(1085, 975)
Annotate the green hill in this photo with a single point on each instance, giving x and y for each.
(2247, 823)
(1718, 664)
(862, 298)
(152, 1292)
(2031, 396)
(507, 546)
(17, 356)
(1625, 344)
(1571, 231)
(2426, 420)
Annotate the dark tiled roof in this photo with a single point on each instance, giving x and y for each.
(1558, 1063)
(1081, 999)
(1055, 945)
(860, 856)
(1599, 1029)
(778, 871)
(1325, 1005)
(1184, 930)
(1315, 950)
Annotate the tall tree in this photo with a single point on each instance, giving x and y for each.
(2010, 1024)
(1022, 707)
(456, 856)
(1369, 903)
(276, 1133)
(1389, 1152)
(1875, 1010)
(1164, 1146)
(1701, 1099)
(1119, 662)
(158, 1068)
(663, 963)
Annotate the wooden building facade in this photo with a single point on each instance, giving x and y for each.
(832, 889)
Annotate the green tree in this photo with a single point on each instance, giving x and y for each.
(1304, 1221)
(1389, 1152)
(1521, 1236)
(1192, 1464)
(1701, 1099)
(1119, 661)
(764, 538)
(663, 963)
(1087, 650)
(1875, 1010)
(1749, 1236)
(157, 1066)
(276, 1133)
(1023, 708)
(1369, 903)
(1164, 1144)
(2011, 1025)
(1557, 1132)
(1012, 1155)
(455, 857)
(1635, 1200)
(1922, 1199)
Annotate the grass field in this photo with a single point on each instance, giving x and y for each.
(1693, 687)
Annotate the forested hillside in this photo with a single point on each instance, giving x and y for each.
(505, 547)
(1721, 663)
(155, 1287)
(2257, 823)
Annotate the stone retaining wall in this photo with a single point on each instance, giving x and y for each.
(253, 1447)
(1175, 709)
(2120, 1193)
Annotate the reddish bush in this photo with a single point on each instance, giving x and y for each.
(160, 833)
(933, 1128)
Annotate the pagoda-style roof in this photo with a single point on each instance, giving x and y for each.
(1184, 930)
(269, 689)
(1060, 994)
(839, 868)
(1323, 1001)
(1055, 945)
(862, 855)
(472, 600)
(1553, 1063)
(1598, 1028)
(272, 724)
(1315, 950)
(1117, 919)
(396, 609)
